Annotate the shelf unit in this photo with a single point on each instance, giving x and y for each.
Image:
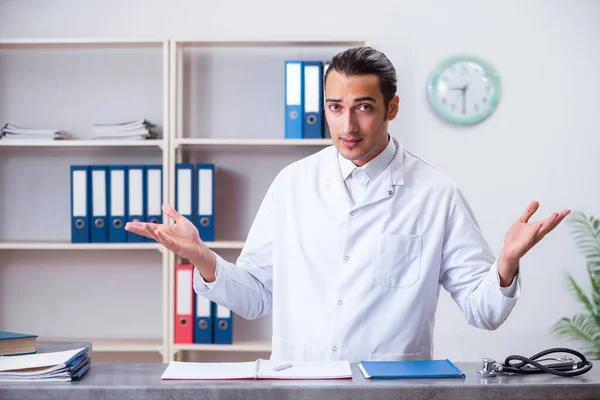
(179, 141)
(103, 147)
(188, 139)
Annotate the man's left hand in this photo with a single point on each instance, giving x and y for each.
(521, 237)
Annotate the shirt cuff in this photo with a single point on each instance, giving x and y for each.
(512, 290)
(200, 285)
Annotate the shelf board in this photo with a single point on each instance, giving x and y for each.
(251, 142)
(115, 345)
(245, 346)
(77, 246)
(78, 42)
(81, 143)
(105, 246)
(266, 42)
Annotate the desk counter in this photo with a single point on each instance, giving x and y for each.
(142, 381)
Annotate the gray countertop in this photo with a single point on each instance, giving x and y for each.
(142, 381)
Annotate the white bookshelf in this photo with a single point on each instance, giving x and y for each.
(235, 123)
(219, 116)
(111, 95)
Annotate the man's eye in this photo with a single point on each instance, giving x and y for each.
(334, 107)
(365, 107)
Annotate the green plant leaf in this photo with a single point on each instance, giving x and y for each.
(582, 330)
(586, 234)
(576, 290)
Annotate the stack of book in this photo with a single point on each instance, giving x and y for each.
(133, 130)
(12, 343)
(14, 132)
(20, 360)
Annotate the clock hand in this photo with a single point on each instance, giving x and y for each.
(457, 98)
(464, 97)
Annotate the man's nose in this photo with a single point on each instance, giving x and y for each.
(350, 123)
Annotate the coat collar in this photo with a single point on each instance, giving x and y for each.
(332, 179)
(373, 168)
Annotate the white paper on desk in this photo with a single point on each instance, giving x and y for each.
(305, 370)
(260, 369)
(218, 370)
(37, 363)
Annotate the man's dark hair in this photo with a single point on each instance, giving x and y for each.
(365, 60)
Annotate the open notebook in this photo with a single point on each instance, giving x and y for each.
(259, 369)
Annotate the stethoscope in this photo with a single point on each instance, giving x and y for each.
(561, 366)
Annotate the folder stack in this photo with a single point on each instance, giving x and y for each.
(195, 196)
(197, 319)
(66, 366)
(14, 132)
(105, 197)
(304, 103)
(133, 130)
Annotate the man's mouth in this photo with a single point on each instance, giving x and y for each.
(351, 142)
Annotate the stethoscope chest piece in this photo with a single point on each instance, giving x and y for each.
(488, 368)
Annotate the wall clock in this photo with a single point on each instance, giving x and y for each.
(463, 89)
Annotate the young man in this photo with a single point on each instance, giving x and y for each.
(350, 245)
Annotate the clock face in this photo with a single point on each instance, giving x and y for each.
(464, 90)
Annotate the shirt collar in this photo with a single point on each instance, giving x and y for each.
(373, 168)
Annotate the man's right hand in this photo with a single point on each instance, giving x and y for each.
(181, 238)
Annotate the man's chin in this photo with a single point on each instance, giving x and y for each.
(350, 154)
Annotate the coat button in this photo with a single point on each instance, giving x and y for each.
(346, 258)
(351, 212)
(340, 302)
(334, 348)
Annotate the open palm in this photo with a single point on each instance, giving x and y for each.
(181, 238)
(523, 235)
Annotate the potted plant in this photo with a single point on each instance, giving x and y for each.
(584, 327)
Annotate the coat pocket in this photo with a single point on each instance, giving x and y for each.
(398, 261)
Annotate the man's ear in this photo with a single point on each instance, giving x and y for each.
(393, 108)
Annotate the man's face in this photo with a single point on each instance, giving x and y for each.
(356, 115)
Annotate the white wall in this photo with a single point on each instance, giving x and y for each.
(540, 144)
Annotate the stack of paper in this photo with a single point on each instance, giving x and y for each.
(68, 365)
(133, 130)
(259, 369)
(13, 132)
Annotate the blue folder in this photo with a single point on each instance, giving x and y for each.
(410, 369)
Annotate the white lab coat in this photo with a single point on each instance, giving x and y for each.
(360, 282)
